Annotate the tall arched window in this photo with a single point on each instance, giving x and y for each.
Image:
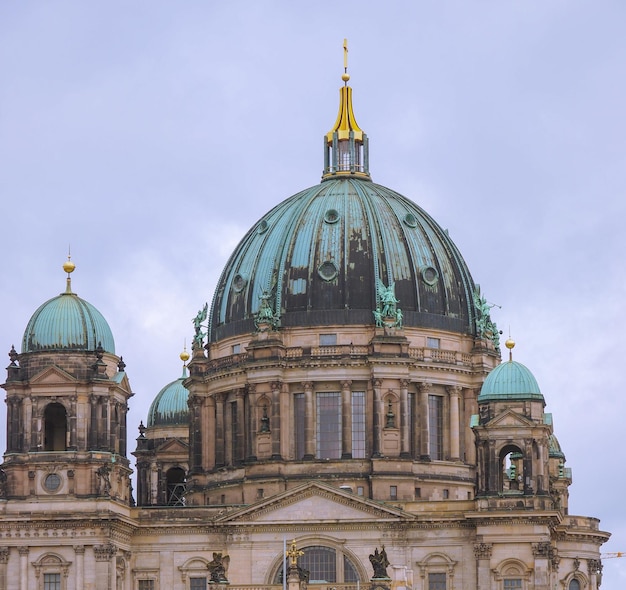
(324, 565)
(55, 428)
(574, 585)
(175, 486)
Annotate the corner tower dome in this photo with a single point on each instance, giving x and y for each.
(67, 322)
(324, 255)
(170, 405)
(510, 381)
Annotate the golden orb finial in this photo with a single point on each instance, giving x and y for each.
(510, 344)
(68, 267)
(184, 355)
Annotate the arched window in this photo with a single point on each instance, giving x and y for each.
(511, 473)
(324, 565)
(175, 486)
(55, 428)
(574, 585)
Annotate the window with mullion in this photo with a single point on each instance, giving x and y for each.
(328, 427)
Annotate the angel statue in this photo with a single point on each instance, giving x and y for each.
(198, 339)
(218, 567)
(379, 562)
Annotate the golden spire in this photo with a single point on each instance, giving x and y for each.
(68, 267)
(346, 144)
(346, 122)
(345, 76)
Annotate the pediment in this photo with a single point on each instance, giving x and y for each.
(121, 378)
(510, 419)
(52, 375)
(315, 502)
(173, 446)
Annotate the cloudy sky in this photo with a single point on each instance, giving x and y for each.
(150, 135)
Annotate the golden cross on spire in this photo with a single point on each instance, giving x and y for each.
(345, 76)
(293, 553)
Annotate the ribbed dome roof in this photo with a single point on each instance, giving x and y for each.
(510, 380)
(67, 322)
(321, 254)
(170, 405)
(555, 447)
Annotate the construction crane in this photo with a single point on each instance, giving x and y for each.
(612, 555)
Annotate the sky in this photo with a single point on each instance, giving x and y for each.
(150, 135)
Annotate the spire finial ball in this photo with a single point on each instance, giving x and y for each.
(345, 76)
(184, 356)
(68, 266)
(510, 343)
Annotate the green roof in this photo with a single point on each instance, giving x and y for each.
(510, 381)
(170, 405)
(67, 322)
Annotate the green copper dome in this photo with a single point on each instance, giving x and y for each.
(333, 252)
(319, 257)
(170, 405)
(67, 322)
(510, 381)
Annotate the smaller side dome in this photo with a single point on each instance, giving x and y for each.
(169, 407)
(67, 323)
(555, 448)
(510, 381)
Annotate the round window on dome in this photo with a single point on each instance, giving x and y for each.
(52, 482)
(410, 220)
(429, 275)
(239, 282)
(262, 226)
(331, 216)
(327, 270)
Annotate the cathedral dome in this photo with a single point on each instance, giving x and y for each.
(67, 322)
(170, 405)
(510, 381)
(323, 255)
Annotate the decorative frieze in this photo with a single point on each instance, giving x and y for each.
(104, 552)
(483, 550)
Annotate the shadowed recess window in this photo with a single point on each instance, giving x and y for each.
(513, 584)
(197, 583)
(437, 581)
(435, 426)
(175, 486)
(55, 429)
(146, 585)
(358, 424)
(574, 585)
(299, 423)
(328, 427)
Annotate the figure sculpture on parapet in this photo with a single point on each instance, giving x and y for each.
(485, 327)
(387, 314)
(198, 338)
(217, 568)
(266, 319)
(379, 562)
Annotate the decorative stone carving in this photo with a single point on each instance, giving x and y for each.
(542, 549)
(483, 550)
(104, 552)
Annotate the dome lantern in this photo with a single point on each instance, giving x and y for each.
(346, 147)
